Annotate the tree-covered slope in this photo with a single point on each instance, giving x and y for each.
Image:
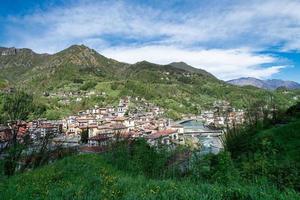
(270, 152)
(186, 67)
(178, 87)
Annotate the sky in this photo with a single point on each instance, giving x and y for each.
(228, 38)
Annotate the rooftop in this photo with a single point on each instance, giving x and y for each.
(162, 133)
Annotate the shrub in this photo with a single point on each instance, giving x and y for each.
(215, 168)
(137, 157)
(88, 85)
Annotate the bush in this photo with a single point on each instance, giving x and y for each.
(20, 105)
(214, 168)
(84, 136)
(268, 154)
(137, 157)
(88, 85)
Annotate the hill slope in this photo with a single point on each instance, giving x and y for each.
(89, 177)
(186, 67)
(78, 69)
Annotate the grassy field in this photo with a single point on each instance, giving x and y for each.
(90, 177)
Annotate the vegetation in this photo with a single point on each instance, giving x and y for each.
(264, 151)
(84, 136)
(176, 87)
(21, 152)
(3, 84)
(138, 158)
(90, 177)
(259, 162)
(20, 106)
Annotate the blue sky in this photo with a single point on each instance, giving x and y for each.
(228, 38)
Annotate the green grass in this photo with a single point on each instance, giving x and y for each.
(90, 177)
(286, 137)
(271, 154)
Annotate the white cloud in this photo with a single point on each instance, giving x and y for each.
(225, 64)
(255, 24)
(137, 32)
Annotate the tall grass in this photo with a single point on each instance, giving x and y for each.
(90, 177)
(271, 154)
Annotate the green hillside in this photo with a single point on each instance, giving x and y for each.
(178, 87)
(89, 177)
(271, 153)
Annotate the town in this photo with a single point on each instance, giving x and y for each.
(133, 117)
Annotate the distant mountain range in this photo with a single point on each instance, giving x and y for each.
(270, 84)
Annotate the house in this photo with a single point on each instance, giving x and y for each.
(67, 140)
(110, 109)
(165, 137)
(99, 140)
(118, 128)
(6, 134)
(73, 129)
(101, 129)
(121, 110)
(179, 127)
(127, 122)
(40, 128)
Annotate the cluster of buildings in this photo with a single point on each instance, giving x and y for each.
(131, 118)
(223, 115)
(66, 98)
(127, 119)
(36, 130)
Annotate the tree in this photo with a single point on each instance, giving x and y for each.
(16, 108)
(19, 106)
(84, 136)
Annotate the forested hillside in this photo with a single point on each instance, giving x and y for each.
(79, 70)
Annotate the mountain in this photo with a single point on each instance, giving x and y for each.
(23, 66)
(271, 84)
(186, 67)
(178, 87)
(16, 62)
(276, 83)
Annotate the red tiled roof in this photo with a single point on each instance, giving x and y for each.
(92, 126)
(22, 130)
(119, 119)
(162, 133)
(100, 137)
(118, 126)
(128, 134)
(48, 126)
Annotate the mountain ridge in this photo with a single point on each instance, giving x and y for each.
(178, 87)
(269, 84)
(185, 66)
(78, 57)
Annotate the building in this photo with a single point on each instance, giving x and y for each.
(99, 140)
(165, 137)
